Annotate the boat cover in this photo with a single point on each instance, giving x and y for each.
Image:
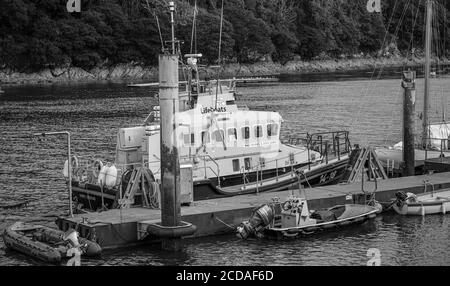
(324, 215)
(437, 132)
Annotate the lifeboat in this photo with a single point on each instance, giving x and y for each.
(47, 244)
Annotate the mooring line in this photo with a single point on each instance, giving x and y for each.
(218, 219)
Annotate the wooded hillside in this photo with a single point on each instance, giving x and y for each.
(37, 34)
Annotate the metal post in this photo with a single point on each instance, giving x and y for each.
(425, 132)
(257, 181)
(409, 87)
(170, 164)
(338, 147)
(69, 162)
(170, 172)
(276, 167)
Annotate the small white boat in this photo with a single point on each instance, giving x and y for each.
(424, 204)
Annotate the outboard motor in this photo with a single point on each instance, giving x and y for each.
(261, 217)
(72, 236)
(403, 198)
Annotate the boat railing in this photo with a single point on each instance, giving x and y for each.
(245, 172)
(334, 143)
(205, 158)
(444, 146)
(428, 183)
(154, 120)
(260, 167)
(86, 165)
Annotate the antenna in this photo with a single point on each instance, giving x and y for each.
(172, 23)
(219, 55)
(194, 30)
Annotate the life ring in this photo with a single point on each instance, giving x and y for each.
(98, 165)
(286, 206)
(75, 164)
(74, 167)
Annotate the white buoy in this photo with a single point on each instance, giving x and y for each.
(66, 169)
(101, 180)
(111, 176)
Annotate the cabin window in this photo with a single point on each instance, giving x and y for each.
(230, 102)
(236, 167)
(189, 139)
(232, 134)
(218, 135)
(245, 132)
(272, 129)
(248, 163)
(205, 137)
(258, 131)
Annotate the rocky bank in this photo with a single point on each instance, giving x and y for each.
(138, 73)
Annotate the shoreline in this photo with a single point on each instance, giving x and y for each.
(137, 73)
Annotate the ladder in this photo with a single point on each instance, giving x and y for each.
(364, 155)
(390, 167)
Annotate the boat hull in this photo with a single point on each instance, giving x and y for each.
(359, 215)
(26, 245)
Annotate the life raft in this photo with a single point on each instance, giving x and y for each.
(45, 243)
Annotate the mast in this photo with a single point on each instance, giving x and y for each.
(427, 73)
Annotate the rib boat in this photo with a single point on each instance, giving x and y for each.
(293, 219)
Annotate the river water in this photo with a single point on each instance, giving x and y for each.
(30, 168)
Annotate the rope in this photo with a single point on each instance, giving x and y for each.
(154, 196)
(411, 43)
(375, 68)
(221, 221)
(157, 23)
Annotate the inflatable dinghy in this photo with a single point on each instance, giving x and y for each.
(47, 244)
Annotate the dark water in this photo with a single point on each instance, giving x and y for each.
(370, 110)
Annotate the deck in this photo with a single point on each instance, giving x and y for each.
(120, 228)
(438, 164)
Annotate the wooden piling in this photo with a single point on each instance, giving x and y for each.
(409, 99)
